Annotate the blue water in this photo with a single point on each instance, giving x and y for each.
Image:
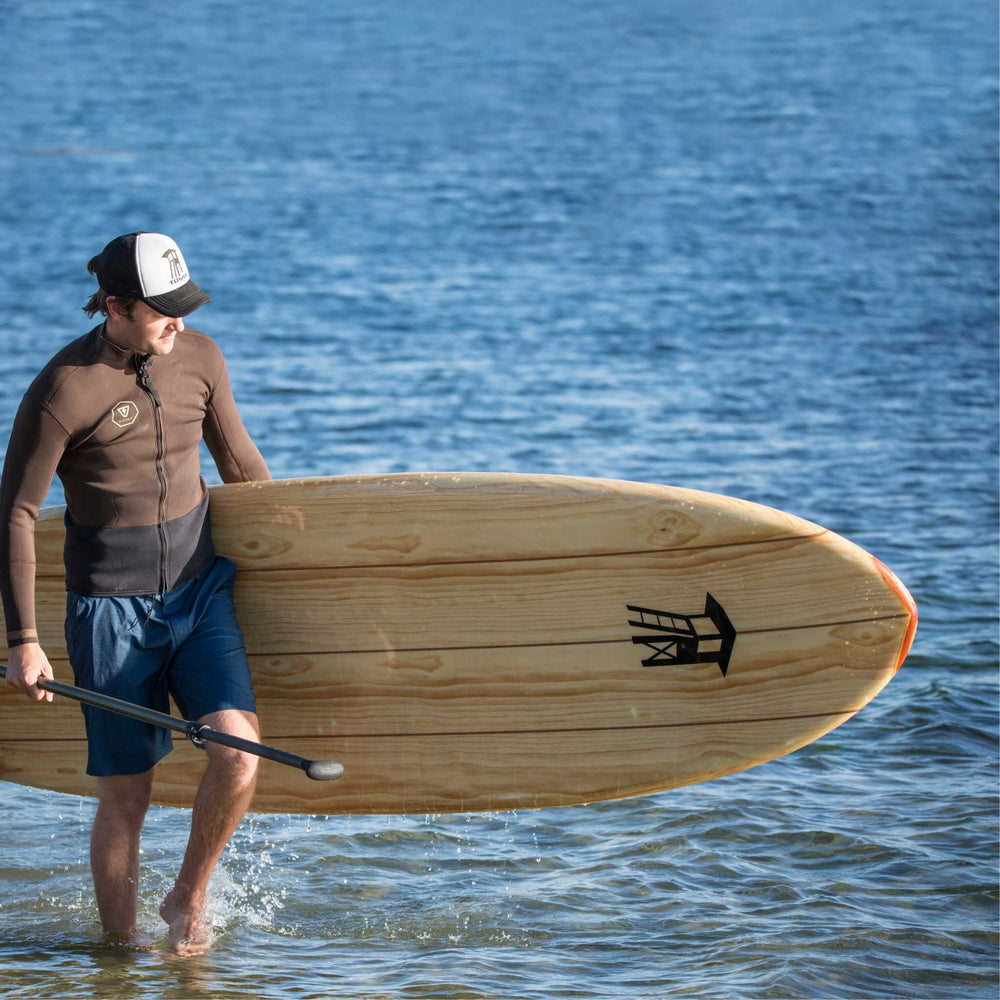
(749, 248)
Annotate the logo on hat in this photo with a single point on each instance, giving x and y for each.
(177, 272)
(125, 413)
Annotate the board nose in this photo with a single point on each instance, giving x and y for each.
(909, 605)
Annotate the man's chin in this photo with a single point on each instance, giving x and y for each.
(162, 347)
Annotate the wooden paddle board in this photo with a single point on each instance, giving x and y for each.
(466, 642)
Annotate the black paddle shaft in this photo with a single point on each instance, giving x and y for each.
(318, 770)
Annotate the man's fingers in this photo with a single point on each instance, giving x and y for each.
(40, 694)
(27, 677)
(31, 688)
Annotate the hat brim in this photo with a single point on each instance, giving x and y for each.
(179, 301)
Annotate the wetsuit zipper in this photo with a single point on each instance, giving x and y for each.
(146, 384)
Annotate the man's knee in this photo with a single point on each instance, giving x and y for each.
(126, 796)
(235, 766)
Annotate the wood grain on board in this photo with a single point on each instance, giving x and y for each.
(458, 773)
(464, 641)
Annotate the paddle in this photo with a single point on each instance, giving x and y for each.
(318, 770)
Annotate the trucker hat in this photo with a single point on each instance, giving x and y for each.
(151, 267)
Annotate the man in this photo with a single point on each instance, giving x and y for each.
(119, 415)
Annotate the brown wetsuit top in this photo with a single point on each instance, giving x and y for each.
(122, 431)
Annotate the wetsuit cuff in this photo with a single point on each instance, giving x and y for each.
(21, 637)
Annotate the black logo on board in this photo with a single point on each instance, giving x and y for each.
(678, 640)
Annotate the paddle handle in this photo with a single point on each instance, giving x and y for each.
(318, 770)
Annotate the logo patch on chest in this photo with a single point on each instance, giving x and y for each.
(124, 414)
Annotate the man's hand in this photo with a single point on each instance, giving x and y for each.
(26, 666)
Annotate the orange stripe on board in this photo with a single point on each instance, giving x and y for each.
(908, 603)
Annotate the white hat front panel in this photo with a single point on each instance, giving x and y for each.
(159, 264)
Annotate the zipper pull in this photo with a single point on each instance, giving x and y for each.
(142, 377)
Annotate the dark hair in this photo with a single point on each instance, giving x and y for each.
(98, 302)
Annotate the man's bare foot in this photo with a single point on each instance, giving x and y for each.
(189, 933)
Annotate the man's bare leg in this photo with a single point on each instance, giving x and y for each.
(223, 797)
(122, 801)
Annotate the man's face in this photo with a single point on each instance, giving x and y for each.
(147, 332)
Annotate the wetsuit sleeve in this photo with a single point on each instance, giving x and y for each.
(235, 454)
(37, 443)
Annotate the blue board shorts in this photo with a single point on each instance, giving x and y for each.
(186, 643)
